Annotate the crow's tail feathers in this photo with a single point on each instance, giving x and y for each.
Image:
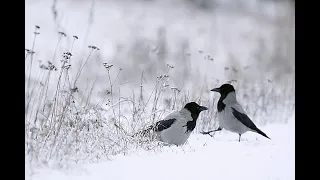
(145, 132)
(261, 133)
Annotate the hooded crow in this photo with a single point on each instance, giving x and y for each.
(231, 115)
(177, 126)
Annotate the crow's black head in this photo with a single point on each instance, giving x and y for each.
(195, 108)
(224, 90)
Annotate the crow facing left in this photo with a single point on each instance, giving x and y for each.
(177, 126)
(231, 115)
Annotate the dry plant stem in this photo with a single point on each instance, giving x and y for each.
(111, 91)
(30, 70)
(74, 39)
(116, 78)
(67, 74)
(35, 93)
(46, 87)
(154, 108)
(105, 96)
(54, 109)
(81, 68)
(157, 95)
(31, 62)
(145, 105)
(90, 93)
(111, 85)
(119, 104)
(60, 123)
(26, 56)
(141, 91)
(55, 98)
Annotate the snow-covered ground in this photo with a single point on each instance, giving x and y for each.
(204, 157)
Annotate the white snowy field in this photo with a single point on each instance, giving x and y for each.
(204, 157)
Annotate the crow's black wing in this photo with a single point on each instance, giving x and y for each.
(243, 118)
(164, 124)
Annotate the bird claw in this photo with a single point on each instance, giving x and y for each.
(208, 133)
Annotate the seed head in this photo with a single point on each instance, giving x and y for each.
(62, 33)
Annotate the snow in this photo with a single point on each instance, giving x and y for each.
(203, 157)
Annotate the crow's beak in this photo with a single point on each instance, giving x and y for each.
(202, 108)
(215, 89)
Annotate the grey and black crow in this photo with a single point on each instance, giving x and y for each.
(231, 115)
(177, 126)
